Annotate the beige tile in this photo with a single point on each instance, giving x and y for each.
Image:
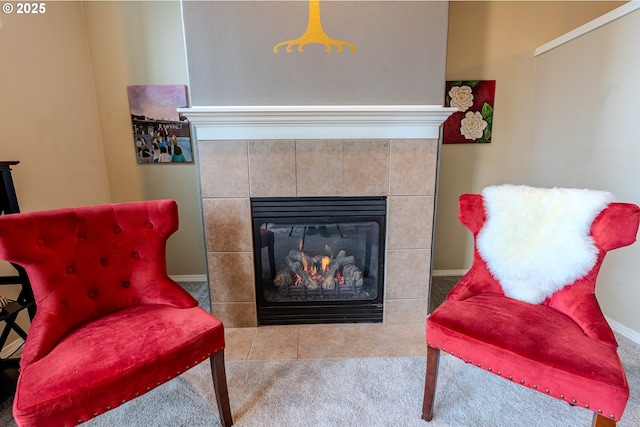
(410, 222)
(325, 341)
(368, 340)
(235, 314)
(224, 168)
(275, 342)
(238, 343)
(319, 167)
(273, 168)
(409, 339)
(412, 166)
(321, 342)
(407, 274)
(231, 276)
(365, 167)
(407, 311)
(227, 224)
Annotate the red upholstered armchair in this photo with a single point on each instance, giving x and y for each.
(110, 324)
(526, 310)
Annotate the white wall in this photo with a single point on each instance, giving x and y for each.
(584, 133)
(142, 43)
(48, 111)
(495, 40)
(48, 115)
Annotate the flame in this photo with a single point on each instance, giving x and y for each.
(325, 262)
(318, 268)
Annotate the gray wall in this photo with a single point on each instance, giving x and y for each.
(585, 134)
(400, 57)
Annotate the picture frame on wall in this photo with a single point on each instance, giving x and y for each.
(473, 122)
(160, 134)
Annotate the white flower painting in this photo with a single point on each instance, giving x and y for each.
(473, 122)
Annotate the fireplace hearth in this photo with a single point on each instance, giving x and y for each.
(319, 259)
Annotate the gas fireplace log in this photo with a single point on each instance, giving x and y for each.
(303, 259)
(298, 262)
(283, 278)
(336, 264)
(296, 267)
(353, 277)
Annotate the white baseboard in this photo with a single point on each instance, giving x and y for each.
(624, 331)
(448, 272)
(189, 278)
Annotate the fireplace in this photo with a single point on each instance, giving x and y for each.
(319, 259)
(246, 153)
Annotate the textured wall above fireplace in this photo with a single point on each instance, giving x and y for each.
(239, 157)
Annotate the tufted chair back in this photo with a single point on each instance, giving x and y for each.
(87, 262)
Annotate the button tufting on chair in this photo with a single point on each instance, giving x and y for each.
(69, 366)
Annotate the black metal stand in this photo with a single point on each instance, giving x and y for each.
(9, 315)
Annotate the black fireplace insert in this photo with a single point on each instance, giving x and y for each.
(319, 259)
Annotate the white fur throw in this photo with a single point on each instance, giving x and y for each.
(535, 241)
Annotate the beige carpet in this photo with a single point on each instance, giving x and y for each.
(356, 392)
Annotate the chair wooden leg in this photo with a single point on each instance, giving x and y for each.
(220, 386)
(602, 421)
(433, 359)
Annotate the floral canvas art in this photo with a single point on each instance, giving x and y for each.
(473, 121)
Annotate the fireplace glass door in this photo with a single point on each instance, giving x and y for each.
(319, 259)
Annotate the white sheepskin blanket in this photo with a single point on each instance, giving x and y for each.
(535, 241)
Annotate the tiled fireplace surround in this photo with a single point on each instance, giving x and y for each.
(367, 151)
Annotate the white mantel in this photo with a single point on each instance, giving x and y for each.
(317, 122)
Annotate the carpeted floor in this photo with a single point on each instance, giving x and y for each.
(356, 392)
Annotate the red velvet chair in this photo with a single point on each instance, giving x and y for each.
(110, 324)
(558, 341)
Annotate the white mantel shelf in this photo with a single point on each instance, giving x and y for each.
(317, 122)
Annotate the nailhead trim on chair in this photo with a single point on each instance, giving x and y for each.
(510, 377)
(148, 388)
